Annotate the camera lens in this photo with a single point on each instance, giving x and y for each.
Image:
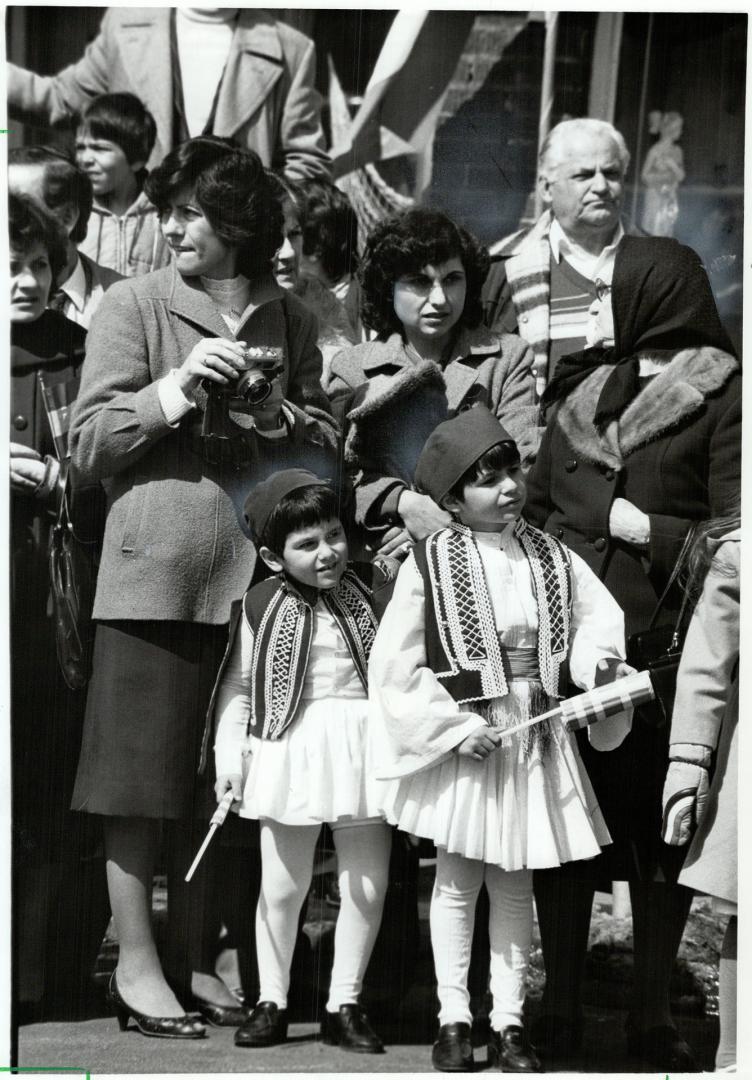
(254, 387)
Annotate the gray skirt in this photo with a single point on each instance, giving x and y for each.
(145, 715)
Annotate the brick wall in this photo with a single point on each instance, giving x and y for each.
(486, 143)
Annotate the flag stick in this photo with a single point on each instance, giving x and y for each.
(217, 819)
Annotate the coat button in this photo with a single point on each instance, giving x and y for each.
(600, 544)
(523, 318)
(609, 474)
(560, 534)
(20, 423)
(570, 465)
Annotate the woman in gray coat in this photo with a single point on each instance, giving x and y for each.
(172, 418)
(702, 779)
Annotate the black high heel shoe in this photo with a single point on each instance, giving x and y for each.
(161, 1027)
(222, 1015)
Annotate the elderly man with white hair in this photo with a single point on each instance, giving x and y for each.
(544, 279)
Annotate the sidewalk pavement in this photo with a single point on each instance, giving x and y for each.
(96, 1044)
(99, 1047)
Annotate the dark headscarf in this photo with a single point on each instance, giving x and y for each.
(661, 299)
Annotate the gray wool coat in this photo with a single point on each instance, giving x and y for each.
(706, 713)
(382, 391)
(174, 545)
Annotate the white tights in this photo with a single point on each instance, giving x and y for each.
(286, 870)
(455, 892)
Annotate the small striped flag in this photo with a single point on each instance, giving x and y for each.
(59, 399)
(598, 703)
(602, 701)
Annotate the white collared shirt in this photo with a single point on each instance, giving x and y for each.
(80, 306)
(590, 266)
(75, 288)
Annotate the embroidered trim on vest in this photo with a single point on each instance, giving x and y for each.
(550, 569)
(350, 604)
(464, 613)
(273, 690)
(282, 642)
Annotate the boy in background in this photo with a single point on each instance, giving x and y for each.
(113, 143)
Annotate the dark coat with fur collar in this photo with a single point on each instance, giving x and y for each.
(675, 454)
(390, 403)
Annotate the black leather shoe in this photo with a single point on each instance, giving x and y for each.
(222, 1015)
(453, 1050)
(510, 1050)
(662, 1047)
(349, 1029)
(266, 1026)
(558, 1037)
(160, 1027)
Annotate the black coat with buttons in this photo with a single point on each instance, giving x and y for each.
(46, 716)
(53, 346)
(675, 453)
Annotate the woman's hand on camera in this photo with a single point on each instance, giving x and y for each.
(218, 359)
(420, 514)
(229, 782)
(628, 523)
(479, 743)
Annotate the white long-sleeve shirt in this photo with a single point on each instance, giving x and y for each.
(419, 721)
(331, 673)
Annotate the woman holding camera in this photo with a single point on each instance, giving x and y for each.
(161, 421)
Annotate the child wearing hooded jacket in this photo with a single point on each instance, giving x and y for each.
(485, 618)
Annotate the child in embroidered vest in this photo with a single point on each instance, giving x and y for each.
(484, 616)
(293, 746)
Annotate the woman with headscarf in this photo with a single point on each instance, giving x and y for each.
(642, 440)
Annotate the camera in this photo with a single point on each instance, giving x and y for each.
(254, 386)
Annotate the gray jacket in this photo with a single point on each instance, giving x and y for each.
(174, 545)
(382, 394)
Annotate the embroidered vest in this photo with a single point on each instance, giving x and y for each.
(281, 618)
(462, 643)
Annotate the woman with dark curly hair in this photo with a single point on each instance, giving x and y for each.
(200, 379)
(421, 277)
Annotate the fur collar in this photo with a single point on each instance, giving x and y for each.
(379, 393)
(666, 401)
(389, 373)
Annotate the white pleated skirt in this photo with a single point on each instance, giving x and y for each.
(520, 808)
(319, 770)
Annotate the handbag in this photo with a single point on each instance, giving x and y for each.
(72, 595)
(658, 649)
